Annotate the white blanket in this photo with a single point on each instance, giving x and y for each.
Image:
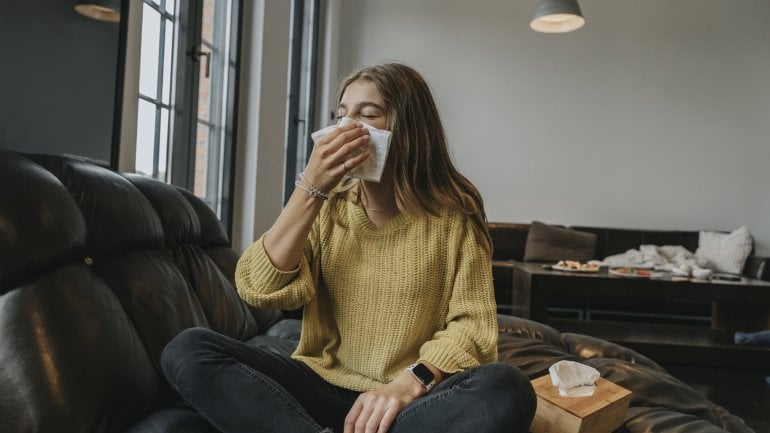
(670, 258)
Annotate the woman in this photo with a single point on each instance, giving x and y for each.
(399, 330)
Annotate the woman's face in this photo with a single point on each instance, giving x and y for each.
(363, 102)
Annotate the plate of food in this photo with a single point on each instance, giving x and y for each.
(631, 272)
(576, 266)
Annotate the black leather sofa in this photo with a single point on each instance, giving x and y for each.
(100, 270)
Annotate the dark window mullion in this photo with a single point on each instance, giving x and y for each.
(301, 119)
(293, 119)
(154, 101)
(185, 113)
(311, 88)
(161, 10)
(228, 164)
(156, 146)
(159, 96)
(192, 115)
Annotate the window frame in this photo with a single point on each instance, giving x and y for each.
(157, 100)
(301, 119)
(183, 100)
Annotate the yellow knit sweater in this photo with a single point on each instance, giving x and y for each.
(377, 298)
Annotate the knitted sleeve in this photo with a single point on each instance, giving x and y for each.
(470, 335)
(261, 284)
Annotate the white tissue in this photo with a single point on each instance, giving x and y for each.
(573, 378)
(379, 144)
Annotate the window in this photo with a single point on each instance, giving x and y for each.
(302, 89)
(187, 89)
(216, 92)
(156, 66)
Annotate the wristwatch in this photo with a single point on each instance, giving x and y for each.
(423, 375)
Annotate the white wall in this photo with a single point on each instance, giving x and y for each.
(655, 115)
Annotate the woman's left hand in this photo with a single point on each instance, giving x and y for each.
(374, 411)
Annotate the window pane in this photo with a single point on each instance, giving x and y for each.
(168, 61)
(145, 138)
(171, 7)
(148, 72)
(202, 153)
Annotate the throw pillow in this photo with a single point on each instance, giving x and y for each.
(550, 243)
(725, 252)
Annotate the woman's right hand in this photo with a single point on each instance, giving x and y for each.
(335, 154)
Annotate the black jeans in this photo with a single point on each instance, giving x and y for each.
(240, 388)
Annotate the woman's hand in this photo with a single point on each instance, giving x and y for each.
(329, 161)
(374, 411)
(335, 154)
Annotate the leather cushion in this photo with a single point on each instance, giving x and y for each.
(70, 357)
(40, 223)
(549, 243)
(180, 221)
(118, 216)
(508, 240)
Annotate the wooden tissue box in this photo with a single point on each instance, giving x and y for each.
(603, 412)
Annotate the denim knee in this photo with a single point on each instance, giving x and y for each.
(178, 351)
(508, 386)
(501, 372)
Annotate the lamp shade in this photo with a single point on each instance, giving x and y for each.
(103, 10)
(557, 16)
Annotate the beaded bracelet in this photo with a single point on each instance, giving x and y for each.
(310, 188)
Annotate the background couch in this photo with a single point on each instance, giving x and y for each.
(100, 270)
(510, 242)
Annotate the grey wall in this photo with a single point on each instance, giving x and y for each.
(261, 126)
(57, 79)
(655, 115)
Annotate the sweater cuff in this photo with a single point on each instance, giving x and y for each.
(262, 269)
(447, 359)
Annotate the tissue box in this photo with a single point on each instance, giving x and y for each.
(603, 412)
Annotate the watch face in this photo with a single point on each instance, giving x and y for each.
(423, 372)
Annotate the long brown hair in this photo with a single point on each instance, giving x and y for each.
(424, 176)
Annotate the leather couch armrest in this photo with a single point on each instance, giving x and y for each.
(508, 240)
(287, 329)
(502, 277)
(763, 273)
(757, 267)
(520, 327)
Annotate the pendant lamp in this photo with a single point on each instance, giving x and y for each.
(557, 16)
(103, 10)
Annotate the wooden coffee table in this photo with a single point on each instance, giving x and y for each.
(736, 306)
